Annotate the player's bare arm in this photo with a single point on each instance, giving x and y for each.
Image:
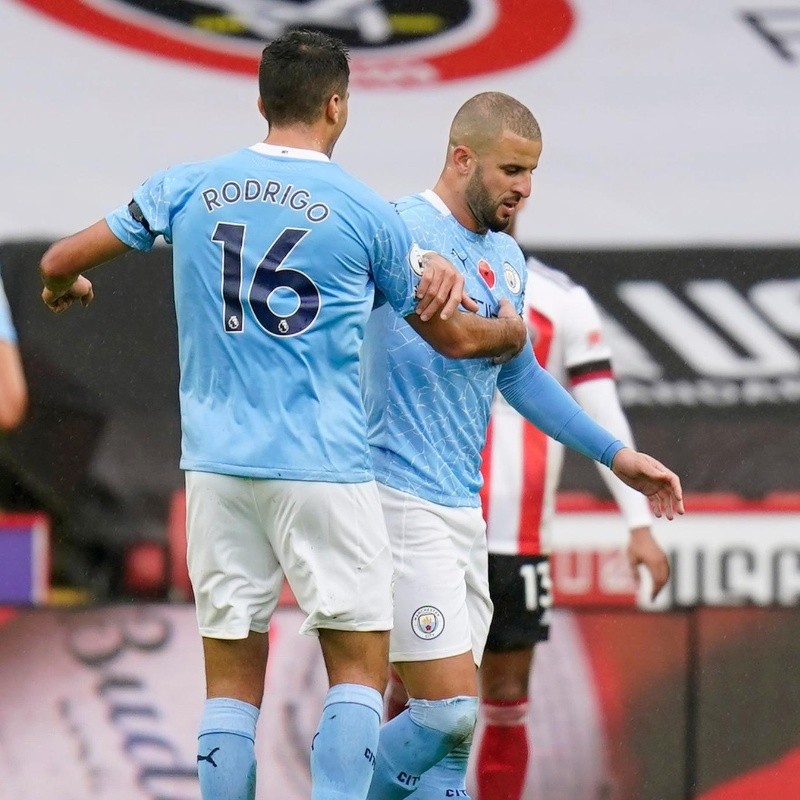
(650, 477)
(64, 262)
(472, 336)
(441, 287)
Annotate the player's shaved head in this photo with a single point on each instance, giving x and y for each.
(484, 117)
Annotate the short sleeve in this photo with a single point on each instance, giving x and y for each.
(147, 216)
(7, 332)
(583, 334)
(395, 265)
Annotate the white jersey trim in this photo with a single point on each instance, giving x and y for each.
(436, 202)
(288, 152)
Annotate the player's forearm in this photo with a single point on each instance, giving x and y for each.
(467, 335)
(479, 337)
(67, 258)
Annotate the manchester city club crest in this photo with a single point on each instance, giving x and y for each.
(427, 622)
(512, 278)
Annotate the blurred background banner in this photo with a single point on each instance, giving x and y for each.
(102, 704)
(664, 124)
(706, 352)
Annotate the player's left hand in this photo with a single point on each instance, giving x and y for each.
(661, 486)
(507, 311)
(58, 301)
(441, 288)
(644, 550)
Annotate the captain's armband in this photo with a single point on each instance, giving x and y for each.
(135, 210)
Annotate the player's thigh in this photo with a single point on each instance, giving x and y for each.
(521, 590)
(430, 547)
(236, 577)
(332, 543)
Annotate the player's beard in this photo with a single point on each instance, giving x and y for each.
(481, 205)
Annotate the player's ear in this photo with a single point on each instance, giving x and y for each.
(463, 159)
(261, 107)
(334, 108)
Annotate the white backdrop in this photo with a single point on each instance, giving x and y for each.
(664, 124)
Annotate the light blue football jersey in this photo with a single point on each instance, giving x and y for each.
(7, 331)
(428, 414)
(276, 254)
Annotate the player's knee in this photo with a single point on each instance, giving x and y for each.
(455, 716)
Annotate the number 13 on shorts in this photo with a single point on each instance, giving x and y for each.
(538, 585)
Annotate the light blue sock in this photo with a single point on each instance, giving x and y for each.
(343, 749)
(447, 778)
(226, 758)
(415, 740)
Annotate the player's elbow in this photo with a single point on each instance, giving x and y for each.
(55, 263)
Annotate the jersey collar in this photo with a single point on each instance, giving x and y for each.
(430, 196)
(288, 152)
(436, 202)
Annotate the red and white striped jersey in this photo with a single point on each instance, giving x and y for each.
(521, 465)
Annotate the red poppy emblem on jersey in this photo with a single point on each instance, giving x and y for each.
(594, 338)
(392, 42)
(487, 273)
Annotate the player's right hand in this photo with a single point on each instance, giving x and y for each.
(60, 301)
(441, 288)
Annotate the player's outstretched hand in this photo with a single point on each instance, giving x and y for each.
(650, 477)
(62, 300)
(644, 550)
(441, 288)
(507, 311)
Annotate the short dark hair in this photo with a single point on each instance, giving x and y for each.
(299, 71)
(486, 115)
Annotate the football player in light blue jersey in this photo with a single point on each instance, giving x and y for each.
(277, 253)
(13, 386)
(427, 426)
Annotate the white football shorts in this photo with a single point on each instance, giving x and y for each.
(328, 539)
(442, 605)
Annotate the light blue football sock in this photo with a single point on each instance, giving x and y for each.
(343, 749)
(415, 740)
(226, 758)
(447, 778)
